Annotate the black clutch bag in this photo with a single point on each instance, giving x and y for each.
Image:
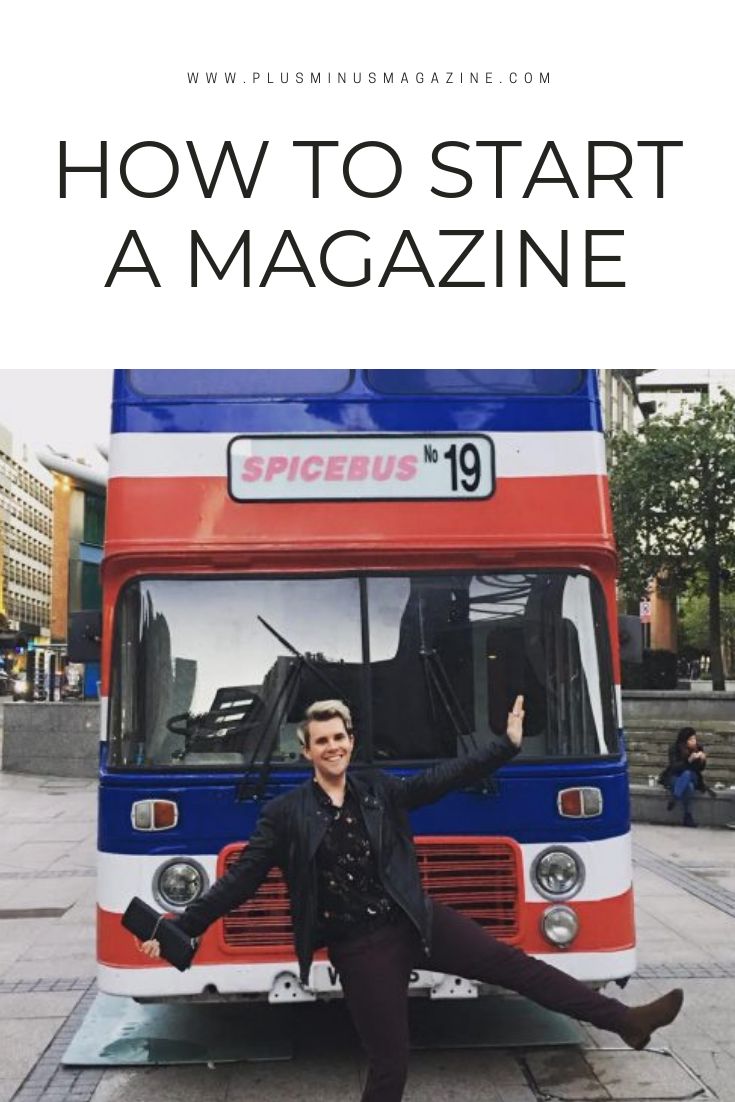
(176, 946)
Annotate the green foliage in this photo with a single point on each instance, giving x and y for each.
(673, 497)
(694, 626)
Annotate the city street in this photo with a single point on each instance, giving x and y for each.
(686, 924)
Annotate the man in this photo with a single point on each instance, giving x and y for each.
(345, 845)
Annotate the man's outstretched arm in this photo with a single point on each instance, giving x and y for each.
(432, 784)
(238, 885)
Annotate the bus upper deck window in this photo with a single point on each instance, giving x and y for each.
(501, 382)
(236, 383)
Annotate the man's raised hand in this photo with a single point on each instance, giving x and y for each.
(515, 722)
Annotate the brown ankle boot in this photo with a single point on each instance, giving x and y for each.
(643, 1020)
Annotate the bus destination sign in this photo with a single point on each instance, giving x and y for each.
(346, 467)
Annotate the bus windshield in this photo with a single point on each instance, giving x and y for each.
(215, 673)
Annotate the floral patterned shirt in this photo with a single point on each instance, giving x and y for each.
(351, 898)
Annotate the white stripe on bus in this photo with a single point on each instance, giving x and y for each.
(204, 454)
(607, 872)
(254, 979)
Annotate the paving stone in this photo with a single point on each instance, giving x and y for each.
(451, 1075)
(81, 913)
(52, 969)
(69, 832)
(41, 952)
(716, 1075)
(35, 855)
(61, 893)
(23, 931)
(336, 1081)
(9, 954)
(722, 951)
(564, 1073)
(505, 1071)
(22, 1043)
(59, 934)
(8, 888)
(189, 1084)
(57, 1004)
(640, 1075)
(516, 1094)
(14, 835)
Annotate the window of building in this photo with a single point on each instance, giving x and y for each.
(91, 587)
(94, 521)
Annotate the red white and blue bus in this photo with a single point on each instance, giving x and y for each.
(422, 544)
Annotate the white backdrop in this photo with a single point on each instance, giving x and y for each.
(628, 72)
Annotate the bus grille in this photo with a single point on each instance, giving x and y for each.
(479, 877)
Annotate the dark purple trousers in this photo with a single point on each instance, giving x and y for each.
(375, 969)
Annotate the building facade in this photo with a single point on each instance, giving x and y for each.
(670, 392)
(79, 524)
(618, 399)
(26, 561)
(79, 495)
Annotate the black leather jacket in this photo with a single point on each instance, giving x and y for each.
(291, 828)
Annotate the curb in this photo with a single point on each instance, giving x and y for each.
(648, 805)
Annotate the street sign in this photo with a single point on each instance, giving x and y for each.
(645, 612)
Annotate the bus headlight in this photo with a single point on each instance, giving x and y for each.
(179, 883)
(560, 926)
(558, 873)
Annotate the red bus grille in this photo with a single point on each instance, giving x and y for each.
(265, 920)
(478, 877)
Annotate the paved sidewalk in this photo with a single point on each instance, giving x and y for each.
(685, 883)
(47, 916)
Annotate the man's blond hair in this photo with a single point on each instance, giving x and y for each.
(320, 710)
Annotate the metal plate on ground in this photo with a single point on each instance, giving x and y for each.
(118, 1032)
(617, 1075)
(492, 1022)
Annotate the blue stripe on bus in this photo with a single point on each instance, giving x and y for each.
(442, 414)
(210, 817)
(356, 409)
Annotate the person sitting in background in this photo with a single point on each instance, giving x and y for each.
(683, 775)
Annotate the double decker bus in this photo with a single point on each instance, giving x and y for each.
(424, 545)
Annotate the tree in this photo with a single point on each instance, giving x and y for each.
(673, 497)
(694, 624)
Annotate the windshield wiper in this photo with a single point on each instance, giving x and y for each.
(303, 659)
(281, 707)
(439, 686)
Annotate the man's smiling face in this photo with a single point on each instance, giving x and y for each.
(329, 749)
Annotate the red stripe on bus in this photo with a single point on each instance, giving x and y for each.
(151, 513)
(598, 919)
(606, 925)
